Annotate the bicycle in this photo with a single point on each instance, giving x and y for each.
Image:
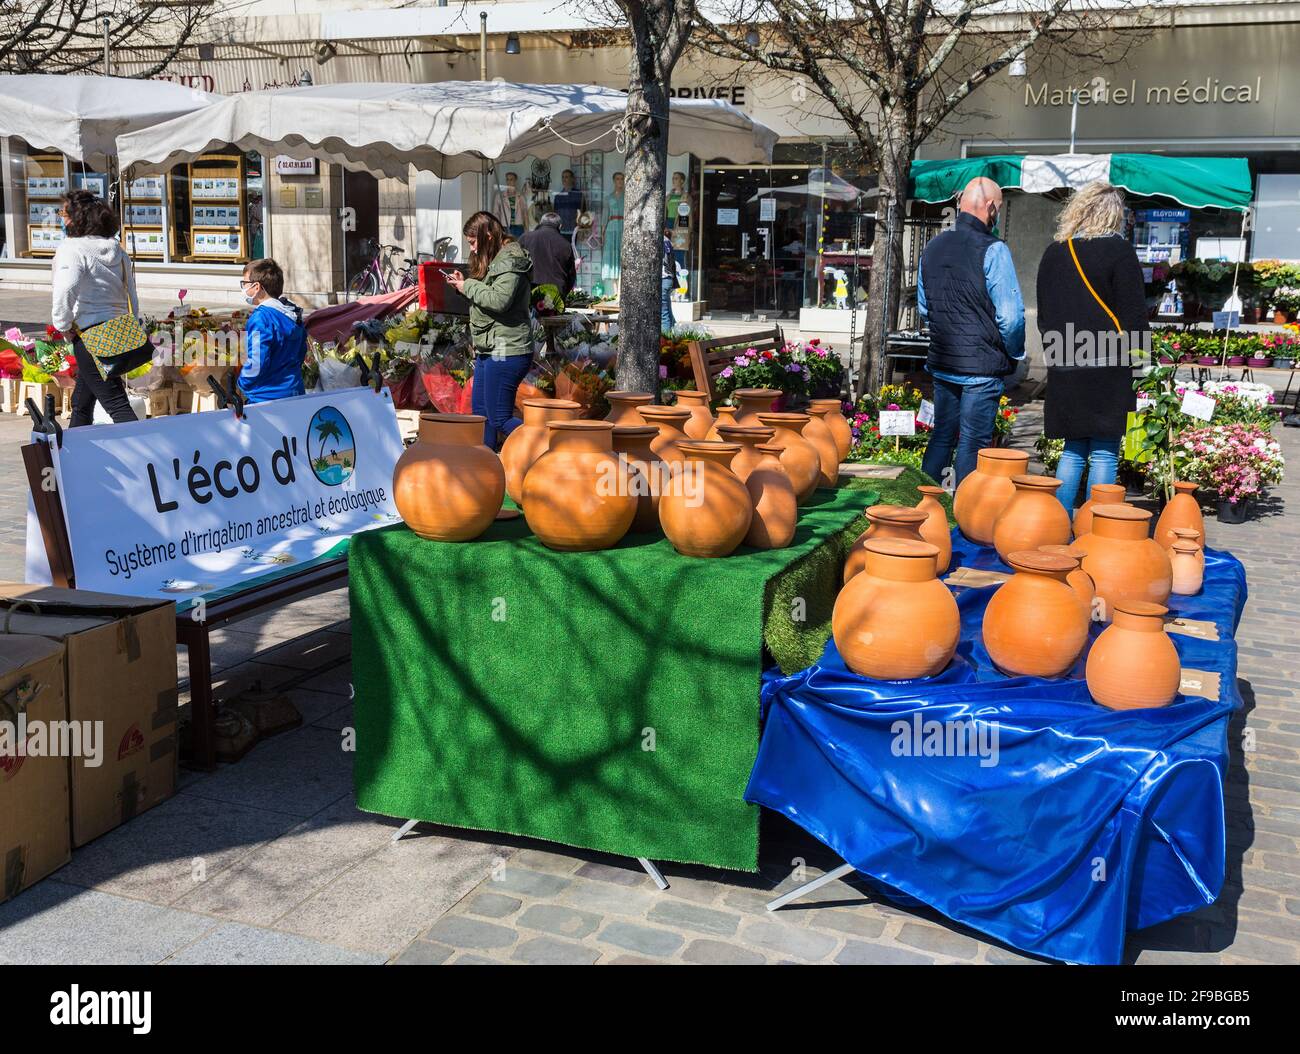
(373, 278)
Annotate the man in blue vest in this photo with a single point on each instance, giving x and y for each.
(967, 293)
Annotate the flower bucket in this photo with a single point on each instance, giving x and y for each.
(1236, 360)
(1257, 361)
(1282, 364)
(1234, 512)
(1207, 360)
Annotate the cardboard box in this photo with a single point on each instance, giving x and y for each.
(121, 671)
(34, 802)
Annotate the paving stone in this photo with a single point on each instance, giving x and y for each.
(940, 941)
(513, 879)
(606, 899)
(461, 932)
(494, 905)
(556, 918)
(474, 960)
(858, 923)
(1006, 957)
(551, 863)
(630, 960)
(720, 953)
(550, 952)
(619, 875)
(640, 939)
(860, 953)
(788, 940)
(424, 953)
(684, 915)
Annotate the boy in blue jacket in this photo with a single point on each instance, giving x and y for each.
(275, 335)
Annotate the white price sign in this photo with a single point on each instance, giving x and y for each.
(897, 423)
(1142, 404)
(1197, 405)
(925, 415)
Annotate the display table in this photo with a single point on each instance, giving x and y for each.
(606, 700)
(1082, 824)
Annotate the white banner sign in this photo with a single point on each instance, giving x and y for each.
(182, 506)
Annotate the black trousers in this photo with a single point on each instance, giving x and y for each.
(110, 392)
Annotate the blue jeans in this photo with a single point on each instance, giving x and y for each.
(1100, 455)
(666, 305)
(963, 422)
(496, 380)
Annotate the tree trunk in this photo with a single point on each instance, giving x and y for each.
(895, 147)
(641, 262)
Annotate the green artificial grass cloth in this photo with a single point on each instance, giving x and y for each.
(607, 700)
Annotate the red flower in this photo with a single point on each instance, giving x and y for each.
(769, 354)
(53, 333)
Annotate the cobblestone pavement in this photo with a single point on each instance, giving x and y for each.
(268, 860)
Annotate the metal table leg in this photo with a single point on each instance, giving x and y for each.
(653, 872)
(808, 887)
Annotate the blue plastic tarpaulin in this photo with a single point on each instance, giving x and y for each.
(1061, 827)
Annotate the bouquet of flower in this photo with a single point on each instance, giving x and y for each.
(547, 301)
(1234, 461)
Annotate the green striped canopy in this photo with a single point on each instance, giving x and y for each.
(1194, 182)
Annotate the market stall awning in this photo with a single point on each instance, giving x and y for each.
(83, 116)
(1195, 182)
(445, 128)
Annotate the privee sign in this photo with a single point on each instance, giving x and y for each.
(183, 506)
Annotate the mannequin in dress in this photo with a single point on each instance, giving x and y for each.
(611, 250)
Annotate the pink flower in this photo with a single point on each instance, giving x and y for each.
(663, 373)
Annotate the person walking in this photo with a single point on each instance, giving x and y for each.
(968, 294)
(93, 281)
(552, 254)
(1092, 314)
(500, 327)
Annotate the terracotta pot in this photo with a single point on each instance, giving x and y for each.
(985, 492)
(1189, 572)
(633, 442)
(1124, 563)
(1133, 663)
(1183, 511)
(896, 621)
(1079, 580)
(1098, 494)
(1032, 517)
(1186, 534)
(528, 442)
(700, 423)
(625, 407)
(749, 438)
(772, 496)
(669, 420)
(750, 402)
(884, 521)
(799, 458)
(726, 416)
(447, 485)
(837, 423)
(706, 511)
(935, 529)
(1035, 625)
(578, 496)
(819, 434)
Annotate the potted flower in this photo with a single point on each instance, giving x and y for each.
(1285, 301)
(1235, 462)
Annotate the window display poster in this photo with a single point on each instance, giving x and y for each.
(767, 210)
(728, 217)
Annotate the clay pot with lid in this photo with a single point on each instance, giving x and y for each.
(1125, 564)
(1183, 511)
(750, 402)
(799, 457)
(669, 420)
(528, 442)
(819, 434)
(884, 521)
(935, 528)
(633, 442)
(579, 496)
(1098, 494)
(447, 485)
(706, 511)
(1187, 534)
(625, 407)
(700, 423)
(1032, 517)
(982, 495)
(1078, 579)
(726, 416)
(1134, 664)
(896, 621)
(1187, 562)
(836, 422)
(771, 494)
(749, 438)
(1035, 625)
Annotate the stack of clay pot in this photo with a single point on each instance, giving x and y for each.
(799, 457)
(1098, 494)
(983, 494)
(1182, 513)
(707, 510)
(1032, 517)
(700, 423)
(447, 485)
(528, 442)
(1133, 663)
(895, 620)
(885, 521)
(832, 413)
(1036, 625)
(579, 495)
(1124, 563)
(625, 407)
(757, 465)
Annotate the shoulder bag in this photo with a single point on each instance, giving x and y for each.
(118, 345)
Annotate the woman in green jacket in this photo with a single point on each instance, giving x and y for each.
(498, 288)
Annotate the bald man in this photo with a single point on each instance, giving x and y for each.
(968, 295)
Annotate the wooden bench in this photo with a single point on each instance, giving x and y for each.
(711, 357)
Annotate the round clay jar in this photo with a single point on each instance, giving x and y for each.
(700, 423)
(625, 407)
(750, 402)
(579, 496)
(726, 416)
(1032, 517)
(1035, 625)
(983, 494)
(1124, 563)
(771, 494)
(884, 521)
(447, 485)
(798, 457)
(706, 511)
(1098, 494)
(935, 530)
(633, 442)
(529, 441)
(1134, 664)
(1182, 512)
(837, 423)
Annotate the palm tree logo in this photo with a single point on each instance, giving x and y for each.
(334, 446)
